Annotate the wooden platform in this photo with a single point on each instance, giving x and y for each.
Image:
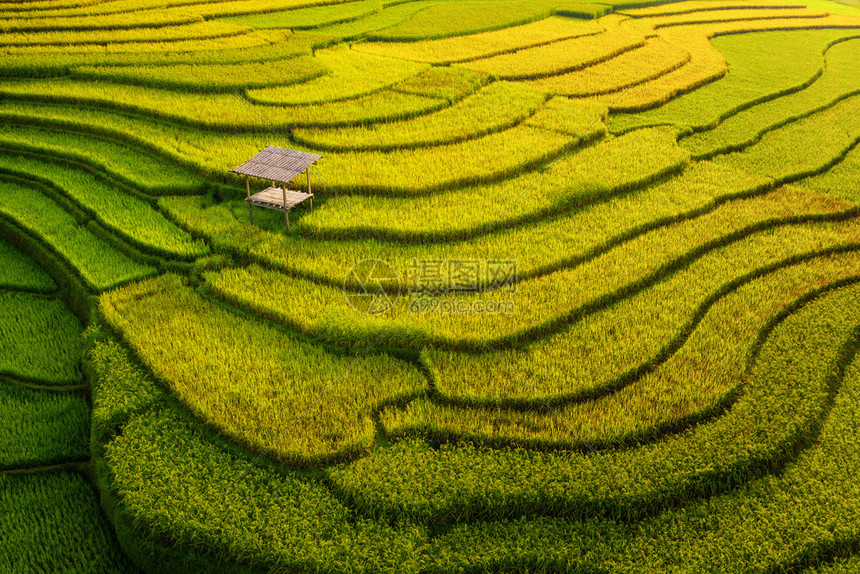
(280, 199)
(273, 198)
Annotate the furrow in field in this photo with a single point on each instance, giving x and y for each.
(40, 342)
(784, 402)
(255, 383)
(654, 59)
(522, 310)
(764, 65)
(351, 74)
(501, 105)
(473, 46)
(840, 80)
(101, 265)
(763, 514)
(119, 211)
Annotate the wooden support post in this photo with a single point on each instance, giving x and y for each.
(311, 200)
(248, 201)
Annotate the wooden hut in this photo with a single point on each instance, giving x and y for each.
(279, 166)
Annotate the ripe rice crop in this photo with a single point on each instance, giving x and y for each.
(656, 57)
(52, 522)
(607, 168)
(389, 16)
(682, 387)
(19, 272)
(101, 265)
(827, 135)
(747, 126)
(121, 161)
(195, 31)
(313, 17)
(449, 83)
(620, 346)
(159, 455)
(718, 6)
(41, 427)
(486, 159)
(783, 402)
(351, 74)
(758, 74)
(728, 15)
(706, 64)
(496, 107)
(472, 46)
(839, 181)
(258, 385)
(718, 529)
(119, 211)
(209, 78)
(583, 233)
(39, 339)
(453, 19)
(221, 111)
(559, 57)
(543, 304)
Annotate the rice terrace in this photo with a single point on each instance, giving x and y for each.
(430, 286)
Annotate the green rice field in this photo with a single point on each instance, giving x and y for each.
(578, 290)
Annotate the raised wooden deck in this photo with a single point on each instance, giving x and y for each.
(280, 199)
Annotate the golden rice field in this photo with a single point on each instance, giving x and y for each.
(579, 289)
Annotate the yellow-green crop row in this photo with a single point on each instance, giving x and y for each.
(121, 161)
(52, 521)
(101, 265)
(723, 16)
(617, 340)
(259, 385)
(789, 390)
(472, 46)
(839, 80)
(39, 339)
(671, 8)
(21, 273)
(220, 111)
(194, 31)
(674, 388)
(639, 65)
(123, 213)
(553, 243)
(446, 167)
(41, 428)
(351, 74)
(210, 78)
(496, 107)
(758, 74)
(827, 137)
(455, 19)
(609, 167)
(541, 305)
(841, 180)
(313, 17)
(759, 524)
(562, 56)
(294, 513)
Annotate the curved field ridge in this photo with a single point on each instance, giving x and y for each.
(667, 383)
(257, 374)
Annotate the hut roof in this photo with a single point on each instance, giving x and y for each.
(277, 164)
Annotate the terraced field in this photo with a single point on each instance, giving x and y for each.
(579, 291)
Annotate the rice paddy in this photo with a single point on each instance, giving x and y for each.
(579, 290)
